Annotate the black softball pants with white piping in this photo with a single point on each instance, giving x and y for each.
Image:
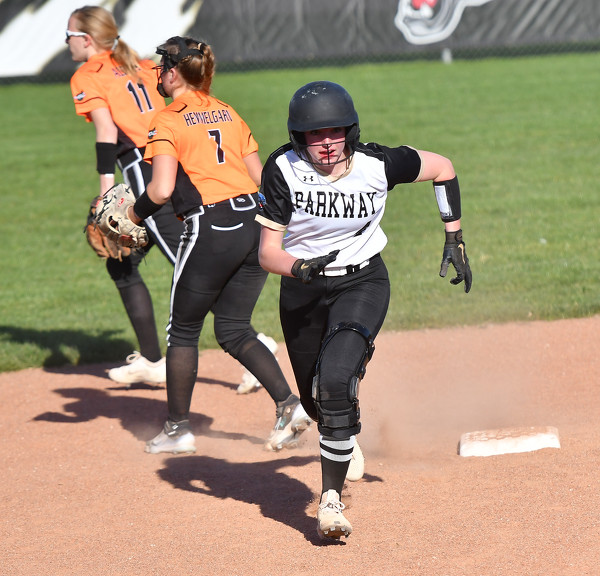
(217, 270)
(309, 311)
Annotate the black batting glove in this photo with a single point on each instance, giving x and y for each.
(306, 270)
(455, 254)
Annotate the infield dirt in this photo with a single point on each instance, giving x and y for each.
(80, 496)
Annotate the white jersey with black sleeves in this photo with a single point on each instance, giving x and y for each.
(320, 214)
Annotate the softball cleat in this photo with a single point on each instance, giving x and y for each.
(139, 369)
(356, 469)
(331, 522)
(292, 420)
(175, 437)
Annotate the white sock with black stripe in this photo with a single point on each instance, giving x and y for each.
(335, 459)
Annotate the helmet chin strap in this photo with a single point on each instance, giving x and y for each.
(161, 89)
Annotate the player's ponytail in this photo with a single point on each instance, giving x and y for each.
(195, 61)
(201, 70)
(101, 26)
(126, 57)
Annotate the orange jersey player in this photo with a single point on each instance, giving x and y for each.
(116, 91)
(132, 102)
(210, 141)
(204, 157)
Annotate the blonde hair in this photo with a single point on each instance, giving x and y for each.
(100, 24)
(197, 69)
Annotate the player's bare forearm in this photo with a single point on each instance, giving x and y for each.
(272, 257)
(164, 173)
(254, 167)
(107, 181)
(452, 226)
(276, 261)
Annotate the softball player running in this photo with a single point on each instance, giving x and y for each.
(205, 159)
(116, 91)
(324, 197)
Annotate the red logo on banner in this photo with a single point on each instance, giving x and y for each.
(430, 21)
(418, 3)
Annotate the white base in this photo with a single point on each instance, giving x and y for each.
(508, 440)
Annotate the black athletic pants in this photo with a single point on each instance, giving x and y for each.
(309, 311)
(217, 270)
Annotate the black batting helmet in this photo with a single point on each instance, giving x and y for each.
(322, 104)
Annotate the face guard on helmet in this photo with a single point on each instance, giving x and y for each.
(320, 105)
(170, 59)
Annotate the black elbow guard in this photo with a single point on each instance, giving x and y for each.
(447, 194)
(106, 157)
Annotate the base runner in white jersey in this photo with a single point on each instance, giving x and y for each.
(323, 196)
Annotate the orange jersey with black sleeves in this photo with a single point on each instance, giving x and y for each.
(101, 83)
(210, 141)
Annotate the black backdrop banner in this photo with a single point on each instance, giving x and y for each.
(251, 34)
(267, 31)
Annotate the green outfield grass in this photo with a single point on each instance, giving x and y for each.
(522, 134)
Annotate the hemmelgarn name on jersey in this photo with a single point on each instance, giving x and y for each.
(207, 117)
(329, 204)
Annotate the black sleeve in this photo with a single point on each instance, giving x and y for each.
(276, 203)
(402, 164)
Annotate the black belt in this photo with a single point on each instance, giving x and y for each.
(237, 204)
(350, 269)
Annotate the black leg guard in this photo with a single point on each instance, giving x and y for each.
(341, 423)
